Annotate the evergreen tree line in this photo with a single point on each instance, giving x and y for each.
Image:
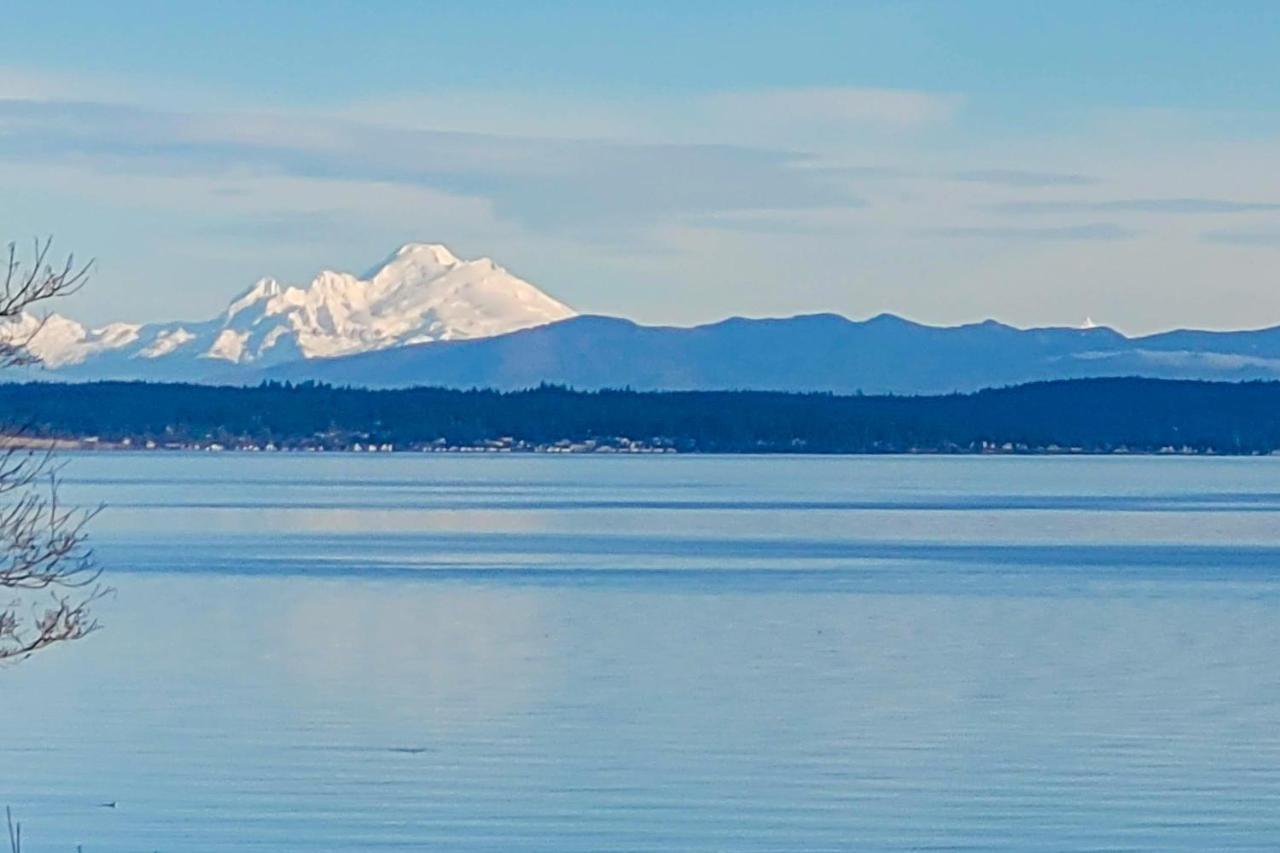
(1089, 415)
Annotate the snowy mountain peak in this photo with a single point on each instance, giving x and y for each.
(426, 258)
(437, 252)
(421, 293)
(265, 288)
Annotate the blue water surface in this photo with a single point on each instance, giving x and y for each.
(526, 653)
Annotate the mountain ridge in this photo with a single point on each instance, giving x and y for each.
(816, 352)
(423, 316)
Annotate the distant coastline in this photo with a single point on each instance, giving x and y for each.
(1084, 416)
(92, 445)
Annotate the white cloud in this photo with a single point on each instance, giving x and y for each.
(545, 184)
(1269, 239)
(1178, 206)
(1088, 231)
(750, 117)
(834, 107)
(1024, 178)
(17, 84)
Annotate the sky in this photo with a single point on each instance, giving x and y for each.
(670, 162)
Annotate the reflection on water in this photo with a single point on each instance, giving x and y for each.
(354, 653)
(457, 657)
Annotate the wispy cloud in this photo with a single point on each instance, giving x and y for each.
(1091, 231)
(541, 183)
(1023, 178)
(1139, 205)
(837, 105)
(1267, 239)
(19, 84)
(817, 222)
(764, 116)
(278, 226)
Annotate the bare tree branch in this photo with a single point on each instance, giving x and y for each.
(44, 550)
(26, 285)
(44, 553)
(15, 832)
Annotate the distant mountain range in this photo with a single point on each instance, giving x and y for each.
(822, 352)
(424, 317)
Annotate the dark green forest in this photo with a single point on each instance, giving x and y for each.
(1089, 415)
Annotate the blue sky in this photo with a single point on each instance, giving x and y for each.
(678, 163)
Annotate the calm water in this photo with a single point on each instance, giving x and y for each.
(691, 654)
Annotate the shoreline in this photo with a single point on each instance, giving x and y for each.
(90, 445)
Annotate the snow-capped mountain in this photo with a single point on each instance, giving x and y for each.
(420, 294)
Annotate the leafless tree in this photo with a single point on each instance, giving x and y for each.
(48, 575)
